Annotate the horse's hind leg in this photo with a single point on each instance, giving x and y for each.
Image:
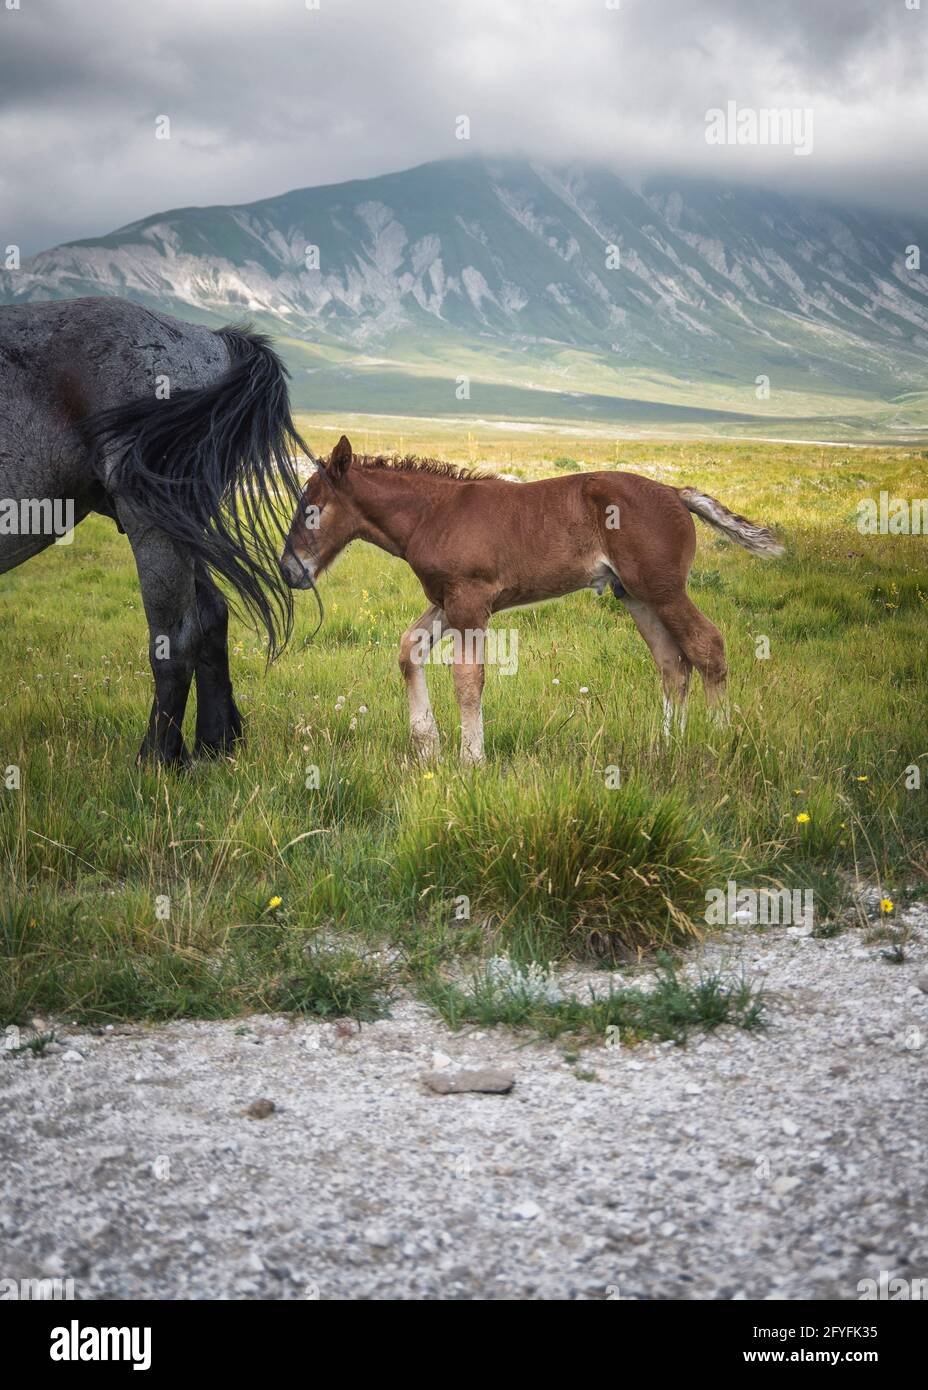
(669, 658)
(169, 595)
(701, 642)
(219, 723)
(415, 645)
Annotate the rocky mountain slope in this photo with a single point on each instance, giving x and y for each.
(564, 271)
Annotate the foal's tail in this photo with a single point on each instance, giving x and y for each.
(747, 533)
(207, 466)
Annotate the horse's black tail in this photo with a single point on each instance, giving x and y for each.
(208, 466)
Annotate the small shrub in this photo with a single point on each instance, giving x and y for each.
(334, 984)
(582, 868)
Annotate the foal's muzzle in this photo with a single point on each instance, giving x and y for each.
(295, 573)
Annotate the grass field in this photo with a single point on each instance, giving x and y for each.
(131, 893)
(552, 383)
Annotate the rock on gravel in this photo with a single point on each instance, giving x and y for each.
(447, 1083)
(526, 1211)
(136, 1175)
(260, 1109)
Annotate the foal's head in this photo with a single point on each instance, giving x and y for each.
(326, 519)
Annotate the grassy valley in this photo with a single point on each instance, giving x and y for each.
(322, 868)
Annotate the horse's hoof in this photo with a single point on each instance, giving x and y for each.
(219, 748)
(179, 761)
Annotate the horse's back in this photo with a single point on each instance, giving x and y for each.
(107, 348)
(64, 360)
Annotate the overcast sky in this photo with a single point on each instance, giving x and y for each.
(267, 95)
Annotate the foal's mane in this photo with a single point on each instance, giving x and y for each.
(411, 464)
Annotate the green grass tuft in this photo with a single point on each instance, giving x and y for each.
(672, 1010)
(334, 984)
(561, 860)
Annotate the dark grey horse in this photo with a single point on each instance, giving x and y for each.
(184, 437)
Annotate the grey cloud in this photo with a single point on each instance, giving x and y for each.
(269, 96)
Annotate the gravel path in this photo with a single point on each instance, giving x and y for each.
(787, 1164)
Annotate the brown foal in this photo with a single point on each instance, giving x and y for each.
(480, 544)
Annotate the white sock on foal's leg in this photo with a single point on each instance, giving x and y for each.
(668, 717)
(472, 738)
(417, 642)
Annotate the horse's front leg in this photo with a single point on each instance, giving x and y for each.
(219, 724)
(168, 593)
(468, 687)
(416, 643)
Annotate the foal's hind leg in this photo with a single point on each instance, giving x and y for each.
(168, 592)
(415, 645)
(219, 723)
(674, 666)
(702, 644)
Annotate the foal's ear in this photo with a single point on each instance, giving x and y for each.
(340, 460)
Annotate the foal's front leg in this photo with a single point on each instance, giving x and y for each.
(468, 687)
(416, 643)
(469, 627)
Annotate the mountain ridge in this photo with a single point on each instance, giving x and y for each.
(564, 275)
